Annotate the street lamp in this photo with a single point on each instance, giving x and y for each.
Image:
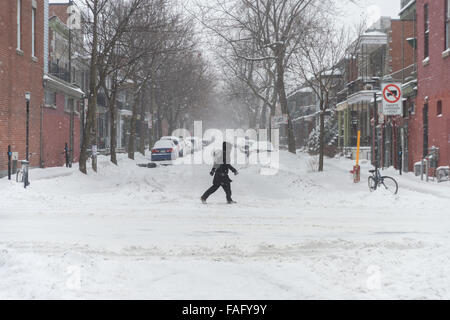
(27, 98)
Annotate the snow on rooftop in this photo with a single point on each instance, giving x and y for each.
(407, 6)
(374, 33)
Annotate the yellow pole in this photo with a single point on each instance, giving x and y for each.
(357, 150)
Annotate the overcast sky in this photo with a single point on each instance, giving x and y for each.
(376, 7)
(373, 9)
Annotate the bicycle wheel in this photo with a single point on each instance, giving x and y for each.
(389, 184)
(19, 176)
(372, 184)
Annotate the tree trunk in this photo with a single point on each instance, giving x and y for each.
(142, 127)
(159, 122)
(132, 141)
(92, 101)
(113, 128)
(281, 91)
(272, 114)
(152, 108)
(263, 120)
(321, 138)
(95, 139)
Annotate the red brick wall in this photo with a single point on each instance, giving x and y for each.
(397, 49)
(59, 10)
(18, 74)
(434, 83)
(56, 122)
(56, 132)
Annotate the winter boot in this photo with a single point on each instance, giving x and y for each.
(203, 200)
(231, 202)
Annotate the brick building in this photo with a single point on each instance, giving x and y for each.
(21, 70)
(34, 58)
(430, 119)
(383, 50)
(63, 95)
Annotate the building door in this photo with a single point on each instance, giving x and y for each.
(425, 130)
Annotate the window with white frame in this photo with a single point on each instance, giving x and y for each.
(19, 14)
(50, 98)
(33, 32)
(69, 104)
(413, 108)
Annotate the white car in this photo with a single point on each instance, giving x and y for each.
(164, 150)
(177, 143)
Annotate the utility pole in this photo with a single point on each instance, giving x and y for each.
(375, 125)
(83, 105)
(72, 105)
(27, 143)
(27, 139)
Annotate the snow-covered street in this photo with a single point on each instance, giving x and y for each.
(130, 232)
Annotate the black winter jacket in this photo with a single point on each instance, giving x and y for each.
(221, 173)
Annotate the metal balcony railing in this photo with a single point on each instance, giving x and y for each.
(59, 72)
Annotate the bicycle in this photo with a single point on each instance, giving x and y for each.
(22, 173)
(376, 181)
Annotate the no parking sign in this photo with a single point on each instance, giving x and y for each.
(392, 99)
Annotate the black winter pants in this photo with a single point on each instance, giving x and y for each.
(226, 187)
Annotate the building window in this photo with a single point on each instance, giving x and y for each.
(439, 108)
(69, 104)
(19, 13)
(413, 108)
(33, 32)
(50, 98)
(447, 24)
(427, 32)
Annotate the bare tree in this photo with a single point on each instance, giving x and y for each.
(251, 81)
(320, 63)
(100, 45)
(273, 27)
(168, 67)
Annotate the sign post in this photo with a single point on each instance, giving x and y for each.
(392, 99)
(357, 169)
(9, 162)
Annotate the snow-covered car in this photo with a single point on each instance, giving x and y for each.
(164, 150)
(177, 143)
(261, 146)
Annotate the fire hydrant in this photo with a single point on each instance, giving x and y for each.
(356, 172)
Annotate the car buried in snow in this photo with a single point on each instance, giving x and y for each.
(164, 150)
(177, 142)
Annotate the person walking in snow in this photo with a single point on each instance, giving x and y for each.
(220, 172)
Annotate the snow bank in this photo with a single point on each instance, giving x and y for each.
(131, 232)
